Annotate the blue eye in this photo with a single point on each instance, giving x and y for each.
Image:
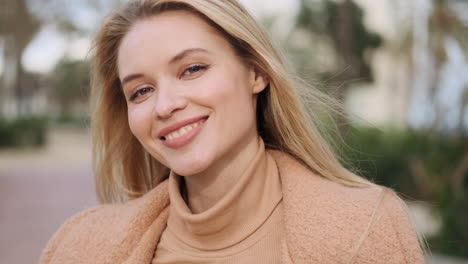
(140, 92)
(194, 69)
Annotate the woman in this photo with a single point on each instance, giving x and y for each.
(199, 131)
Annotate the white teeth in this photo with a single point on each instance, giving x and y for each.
(182, 131)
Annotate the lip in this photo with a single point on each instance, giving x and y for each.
(185, 139)
(176, 126)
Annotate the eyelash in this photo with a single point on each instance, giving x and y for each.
(144, 90)
(197, 68)
(139, 93)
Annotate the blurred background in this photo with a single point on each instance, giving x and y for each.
(400, 67)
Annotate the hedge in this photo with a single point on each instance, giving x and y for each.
(23, 132)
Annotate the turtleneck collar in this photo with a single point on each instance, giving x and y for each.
(234, 217)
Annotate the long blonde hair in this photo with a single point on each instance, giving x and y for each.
(124, 170)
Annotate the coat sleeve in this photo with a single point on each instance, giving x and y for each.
(390, 237)
(48, 253)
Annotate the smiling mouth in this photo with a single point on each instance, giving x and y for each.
(182, 128)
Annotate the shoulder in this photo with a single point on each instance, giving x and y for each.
(390, 236)
(327, 221)
(96, 232)
(300, 184)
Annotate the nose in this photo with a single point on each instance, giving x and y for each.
(169, 101)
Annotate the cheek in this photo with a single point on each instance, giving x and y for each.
(223, 89)
(139, 120)
(235, 98)
(212, 90)
(233, 106)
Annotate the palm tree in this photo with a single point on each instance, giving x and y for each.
(17, 28)
(443, 24)
(341, 24)
(20, 20)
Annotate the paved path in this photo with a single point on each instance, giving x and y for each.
(40, 189)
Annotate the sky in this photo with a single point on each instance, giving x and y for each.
(49, 46)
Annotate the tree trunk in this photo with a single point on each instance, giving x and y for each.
(458, 178)
(12, 62)
(18, 27)
(462, 129)
(347, 66)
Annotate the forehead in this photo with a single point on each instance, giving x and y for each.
(166, 34)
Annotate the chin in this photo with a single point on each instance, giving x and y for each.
(190, 167)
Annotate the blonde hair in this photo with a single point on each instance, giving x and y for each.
(124, 170)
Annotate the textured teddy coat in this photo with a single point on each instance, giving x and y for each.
(324, 222)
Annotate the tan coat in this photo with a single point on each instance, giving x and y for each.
(325, 222)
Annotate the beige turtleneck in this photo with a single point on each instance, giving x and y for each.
(245, 226)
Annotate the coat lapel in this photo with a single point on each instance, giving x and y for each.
(320, 223)
(145, 248)
(323, 219)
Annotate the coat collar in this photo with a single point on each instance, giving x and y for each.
(315, 214)
(323, 220)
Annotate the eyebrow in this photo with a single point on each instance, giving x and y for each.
(130, 78)
(175, 59)
(185, 53)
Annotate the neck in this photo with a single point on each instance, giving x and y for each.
(203, 190)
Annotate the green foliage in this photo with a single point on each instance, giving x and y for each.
(387, 157)
(342, 23)
(23, 132)
(392, 158)
(453, 238)
(73, 121)
(422, 166)
(70, 84)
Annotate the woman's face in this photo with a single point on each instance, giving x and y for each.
(191, 100)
